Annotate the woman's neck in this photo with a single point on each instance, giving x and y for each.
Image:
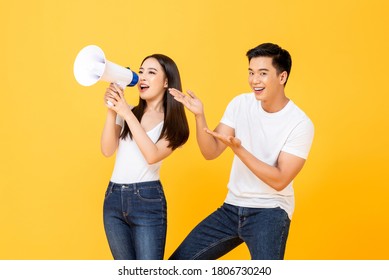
(154, 106)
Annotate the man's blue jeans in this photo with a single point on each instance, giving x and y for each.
(264, 230)
(135, 220)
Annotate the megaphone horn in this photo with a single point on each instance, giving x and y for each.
(91, 66)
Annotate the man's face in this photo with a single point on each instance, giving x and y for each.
(264, 80)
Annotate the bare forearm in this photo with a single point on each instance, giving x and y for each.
(110, 135)
(271, 175)
(207, 143)
(148, 148)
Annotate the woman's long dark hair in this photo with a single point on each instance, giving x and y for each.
(175, 127)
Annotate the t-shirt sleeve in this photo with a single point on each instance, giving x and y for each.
(119, 121)
(229, 117)
(300, 139)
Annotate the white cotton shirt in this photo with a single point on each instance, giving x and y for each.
(130, 165)
(265, 135)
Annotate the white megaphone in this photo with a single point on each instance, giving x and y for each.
(91, 66)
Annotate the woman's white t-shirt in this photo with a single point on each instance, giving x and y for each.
(130, 165)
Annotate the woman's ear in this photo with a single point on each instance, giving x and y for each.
(166, 84)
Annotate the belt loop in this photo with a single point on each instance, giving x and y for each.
(110, 187)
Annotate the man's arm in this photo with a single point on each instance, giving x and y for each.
(278, 177)
(210, 146)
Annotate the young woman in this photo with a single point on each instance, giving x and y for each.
(135, 205)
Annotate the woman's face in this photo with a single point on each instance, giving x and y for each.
(152, 80)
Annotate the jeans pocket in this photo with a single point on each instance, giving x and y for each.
(107, 192)
(151, 194)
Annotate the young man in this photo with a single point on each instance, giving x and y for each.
(271, 138)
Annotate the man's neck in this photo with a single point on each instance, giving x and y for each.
(275, 105)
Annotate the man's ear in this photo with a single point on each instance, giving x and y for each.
(283, 77)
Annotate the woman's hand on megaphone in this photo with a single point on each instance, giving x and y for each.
(108, 96)
(114, 98)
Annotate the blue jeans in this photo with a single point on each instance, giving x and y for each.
(264, 230)
(135, 220)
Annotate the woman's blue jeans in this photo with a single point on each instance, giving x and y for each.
(264, 230)
(135, 220)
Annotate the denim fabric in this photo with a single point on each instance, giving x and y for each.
(135, 218)
(264, 230)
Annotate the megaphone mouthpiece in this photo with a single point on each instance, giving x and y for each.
(135, 79)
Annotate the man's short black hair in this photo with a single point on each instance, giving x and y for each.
(281, 58)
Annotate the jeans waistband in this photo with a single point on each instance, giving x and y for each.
(115, 186)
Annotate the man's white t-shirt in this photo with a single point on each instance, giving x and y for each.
(130, 165)
(265, 135)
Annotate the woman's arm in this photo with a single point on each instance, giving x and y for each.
(111, 131)
(152, 152)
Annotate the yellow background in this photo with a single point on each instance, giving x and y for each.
(53, 176)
